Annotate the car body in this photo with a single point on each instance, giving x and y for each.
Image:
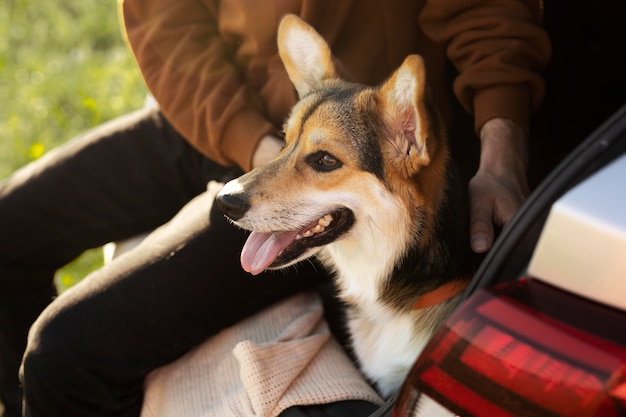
(542, 330)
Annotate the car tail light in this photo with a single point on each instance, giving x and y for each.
(524, 348)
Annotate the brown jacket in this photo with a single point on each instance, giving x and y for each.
(214, 69)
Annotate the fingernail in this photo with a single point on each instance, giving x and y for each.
(480, 243)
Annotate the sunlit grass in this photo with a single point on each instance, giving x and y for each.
(64, 68)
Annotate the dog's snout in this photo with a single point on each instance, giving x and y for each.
(233, 205)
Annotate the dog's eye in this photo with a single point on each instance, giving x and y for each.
(328, 161)
(323, 161)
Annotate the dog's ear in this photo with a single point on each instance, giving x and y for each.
(305, 54)
(405, 115)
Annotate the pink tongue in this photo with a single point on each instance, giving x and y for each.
(261, 249)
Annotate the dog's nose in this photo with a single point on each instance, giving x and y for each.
(233, 205)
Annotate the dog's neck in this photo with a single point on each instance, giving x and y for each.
(441, 294)
(377, 267)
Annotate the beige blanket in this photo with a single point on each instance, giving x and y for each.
(277, 359)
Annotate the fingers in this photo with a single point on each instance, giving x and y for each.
(482, 236)
(492, 202)
(481, 215)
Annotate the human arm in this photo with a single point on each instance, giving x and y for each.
(500, 185)
(499, 49)
(190, 69)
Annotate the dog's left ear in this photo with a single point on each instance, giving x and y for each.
(405, 115)
(305, 54)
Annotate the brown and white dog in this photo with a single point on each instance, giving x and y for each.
(365, 183)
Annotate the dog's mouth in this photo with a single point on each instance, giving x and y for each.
(274, 250)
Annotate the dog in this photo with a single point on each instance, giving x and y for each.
(364, 182)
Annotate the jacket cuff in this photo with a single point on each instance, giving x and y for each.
(505, 101)
(242, 136)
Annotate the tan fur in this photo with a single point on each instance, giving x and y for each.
(392, 159)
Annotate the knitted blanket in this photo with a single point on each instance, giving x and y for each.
(279, 358)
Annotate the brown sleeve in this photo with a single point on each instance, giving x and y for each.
(188, 68)
(499, 49)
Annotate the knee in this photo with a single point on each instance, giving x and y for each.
(51, 366)
(66, 370)
(50, 354)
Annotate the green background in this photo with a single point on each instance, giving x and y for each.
(64, 68)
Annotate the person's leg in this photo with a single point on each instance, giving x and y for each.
(117, 180)
(90, 350)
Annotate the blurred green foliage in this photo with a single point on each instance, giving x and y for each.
(64, 68)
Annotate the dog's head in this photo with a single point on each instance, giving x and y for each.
(361, 166)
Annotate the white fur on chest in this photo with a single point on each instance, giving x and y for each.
(386, 344)
(385, 341)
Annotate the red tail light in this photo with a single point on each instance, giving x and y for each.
(524, 349)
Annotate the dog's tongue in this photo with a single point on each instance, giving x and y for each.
(261, 249)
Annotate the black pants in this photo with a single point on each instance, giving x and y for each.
(90, 349)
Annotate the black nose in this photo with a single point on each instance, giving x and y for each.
(233, 205)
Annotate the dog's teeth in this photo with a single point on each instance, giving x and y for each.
(318, 228)
(326, 220)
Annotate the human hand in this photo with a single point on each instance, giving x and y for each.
(499, 186)
(266, 150)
